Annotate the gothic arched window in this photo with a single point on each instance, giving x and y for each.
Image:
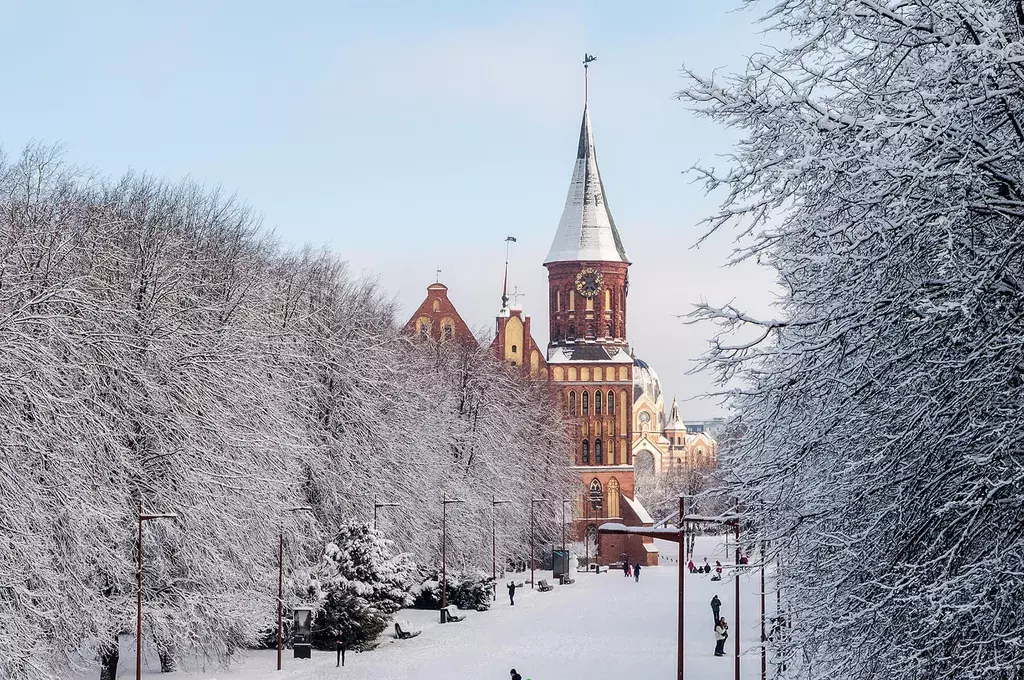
(598, 453)
(572, 403)
(613, 497)
(586, 403)
(597, 402)
(611, 403)
(572, 333)
(596, 496)
(586, 452)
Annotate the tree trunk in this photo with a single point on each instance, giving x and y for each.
(108, 662)
(167, 662)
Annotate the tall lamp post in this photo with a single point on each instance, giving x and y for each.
(533, 503)
(564, 501)
(280, 584)
(494, 546)
(377, 506)
(143, 517)
(445, 502)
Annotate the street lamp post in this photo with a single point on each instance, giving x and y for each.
(564, 501)
(280, 584)
(736, 615)
(445, 502)
(533, 503)
(138, 574)
(682, 588)
(494, 546)
(377, 506)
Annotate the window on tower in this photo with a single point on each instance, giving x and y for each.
(572, 333)
(586, 403)
(611, 403)
(572, 403)
(597, 402)
(447, 332)
(596, 496)
(598, 453)
(586, 452)
(590, 330)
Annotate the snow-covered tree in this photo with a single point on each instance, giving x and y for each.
(880, 175)
(357, 585)
(157, 349)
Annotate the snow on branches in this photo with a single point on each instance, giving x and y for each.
(156, 347)
(878, 435)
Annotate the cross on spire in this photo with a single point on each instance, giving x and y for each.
(438, 279)
(515, 295)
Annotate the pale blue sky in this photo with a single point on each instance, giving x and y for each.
(407, 136)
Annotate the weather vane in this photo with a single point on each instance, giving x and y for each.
(587, 58)
(438, 279)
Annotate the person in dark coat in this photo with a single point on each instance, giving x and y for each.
(716, 607)
(511, 592)
(339, 645)
(636, 572)
(625, 569)
(515, 676)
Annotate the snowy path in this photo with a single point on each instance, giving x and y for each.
(604, 627)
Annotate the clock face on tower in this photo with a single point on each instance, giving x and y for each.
(589, 282)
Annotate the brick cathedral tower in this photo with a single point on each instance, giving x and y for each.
(588, 357)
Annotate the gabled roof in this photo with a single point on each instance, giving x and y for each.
(586, 231)
(434, 313)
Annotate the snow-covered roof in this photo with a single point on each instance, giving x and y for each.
(650, 547)
(639, 510)
(586, 231)
(589, 353)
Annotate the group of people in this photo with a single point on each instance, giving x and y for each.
(706, 569)
(721, 627)
(634, 570)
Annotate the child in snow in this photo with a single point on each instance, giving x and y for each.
(691, 567)
(636, 572)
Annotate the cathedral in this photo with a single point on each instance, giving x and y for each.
(621, 436)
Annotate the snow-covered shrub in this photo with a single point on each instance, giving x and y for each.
(469, 589)
(357, 585)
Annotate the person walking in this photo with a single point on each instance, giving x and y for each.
(625, 568)
(636, 572)
(721, 634)
(707, 567)
(511, 593)
(515, 676)
(691, 567)
(716, 607)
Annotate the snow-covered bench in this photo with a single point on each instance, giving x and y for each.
(543, 586)
(450, 614)
(405, 630)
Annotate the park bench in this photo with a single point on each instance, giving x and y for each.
(543, 586)
(596, 568)
(450, 614)
(404, 630)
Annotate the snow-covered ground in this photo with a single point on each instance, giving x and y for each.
(604, 627)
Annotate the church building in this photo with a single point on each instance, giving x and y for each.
(612, 400)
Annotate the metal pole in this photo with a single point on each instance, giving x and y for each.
(531, 544)
(736, 630)
(764, 642)
(280, 593)
(138, 608)
(494, 551)
(586, 533)
(375, 508)
(444, 563)
(563, 528)
(680, 653)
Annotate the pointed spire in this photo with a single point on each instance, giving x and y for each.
(586, 231)
(504, 285)
(675, 423)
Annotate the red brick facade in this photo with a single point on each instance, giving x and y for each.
(438, 320)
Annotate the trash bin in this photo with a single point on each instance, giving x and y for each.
(302, 636)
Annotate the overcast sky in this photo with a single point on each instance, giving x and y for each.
(410, 136)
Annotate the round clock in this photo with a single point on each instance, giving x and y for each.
(589, 282)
